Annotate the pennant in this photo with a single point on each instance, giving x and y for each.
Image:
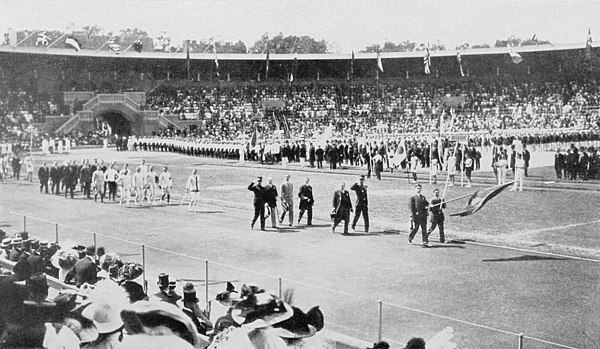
(267, 68)
(427, 61)
(459, 59)
(516, 58)
(138, 46)
(74, 43)
(42, 40)
(254, 138)
(352, 64)
(187, 59)
(588, 45)
(477, 200)
(216, 59)
(294, 67)
(379, 63)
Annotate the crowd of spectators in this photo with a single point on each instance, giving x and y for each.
(19, 106)
(102, 303)
(393, 108)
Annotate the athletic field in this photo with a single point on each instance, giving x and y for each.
(526, 263)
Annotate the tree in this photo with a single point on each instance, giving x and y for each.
(289, 44)
(480, 46)
(403, 46)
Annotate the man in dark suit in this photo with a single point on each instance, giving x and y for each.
(311, 155)
(85, 178)
(55, 176)
(418, 209)
(85, 269)
(306, 201)
(526, 158)
(342, 206)
(437, 215)
(319, 153)
(362, 203)
(43, 176)
(559, 163)
(259, 202)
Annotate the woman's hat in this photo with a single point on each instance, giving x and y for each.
(130, 271)
(140, 316)
(106, 317)
(301, 325)
(227, 298)
(257, 309)
(64, 258)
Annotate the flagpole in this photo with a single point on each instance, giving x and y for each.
(110, 37)
(55, 41)
(470, 194)
(128, 47)
(27, 37)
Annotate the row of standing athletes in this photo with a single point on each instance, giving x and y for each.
(144, 182)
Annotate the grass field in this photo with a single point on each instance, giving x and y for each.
(530, 284)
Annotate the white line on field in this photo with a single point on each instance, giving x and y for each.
(560, 227)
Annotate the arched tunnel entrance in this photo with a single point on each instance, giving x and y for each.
(119, 124)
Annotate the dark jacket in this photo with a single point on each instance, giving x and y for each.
(43, 174)
(437, 205)
(85, 270)
(361, 195)
(259, 193)
(418, 206)
(341, 202)
(271, 195)
(306, 196)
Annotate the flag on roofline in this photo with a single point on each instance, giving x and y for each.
(352, 64)
(74, 43)
(216, 59)
(42, 39)
(427, 61)
(476, 201)
(267, 67)
(113, 45)
(588, 45)
(138, 46)
(379, 62)
(459, 59)
(516, 57)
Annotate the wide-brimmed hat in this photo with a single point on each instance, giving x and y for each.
(258, 309)
(300, 325)
(141, 315)
(64, 258)
(17, 240)
(6, 243)
(228, 297)
(106, 317)
(130, 271)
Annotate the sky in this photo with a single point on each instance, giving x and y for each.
(346, 24)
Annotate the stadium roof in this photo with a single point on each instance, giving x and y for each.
(283, 57)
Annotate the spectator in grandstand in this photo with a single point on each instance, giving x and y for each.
(189, 305)
(287, 200)
(306, 201)
(271, 201)
(165, 182)
(342, 206)
(362, 203)
(167, 291)
(85, 270)
(64, 260)
(415, 343)
(259, 202)
(193, 187)
(418, 205)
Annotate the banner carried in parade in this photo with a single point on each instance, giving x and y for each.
(476, 201)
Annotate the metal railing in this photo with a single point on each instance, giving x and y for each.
(375, 320)
(69, 125)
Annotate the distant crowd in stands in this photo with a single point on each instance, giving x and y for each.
(108, 307)
(395, 108)
(19, 106)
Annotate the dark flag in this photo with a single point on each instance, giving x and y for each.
(254, 138)
(427, 61)
(477, 200)
(138, 46)
(187, 59)
(352, 64)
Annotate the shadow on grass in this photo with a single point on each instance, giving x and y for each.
(446, 246)
(525, 258)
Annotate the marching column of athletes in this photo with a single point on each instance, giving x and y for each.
(145, 183)
(106, 181)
